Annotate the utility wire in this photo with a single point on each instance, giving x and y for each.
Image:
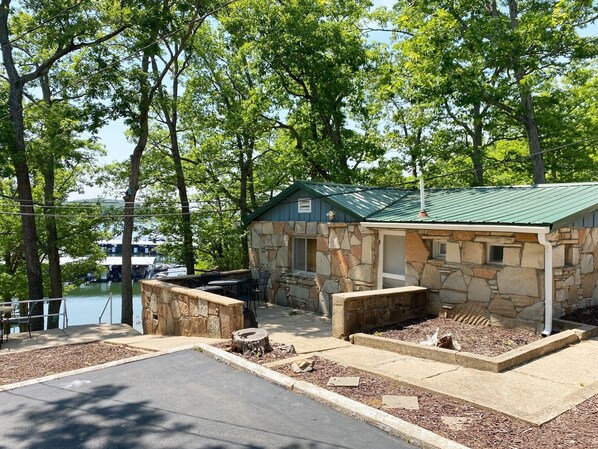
(356, 190)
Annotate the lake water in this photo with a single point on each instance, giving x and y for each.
(85, 304)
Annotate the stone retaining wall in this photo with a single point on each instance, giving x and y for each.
(346, 261)
(358, 311)
(169, 309)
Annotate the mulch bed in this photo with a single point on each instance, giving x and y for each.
(20, 366)
(589, 315)
(483, 429)
(482, 340)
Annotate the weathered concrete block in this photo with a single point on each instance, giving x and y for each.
(452, 297)
(431, 277)
(453, 252)
(533, 256)
(518, 281)
(479, 290)
(456, 282)
(502, 307)
(473, 252)
(415, 248)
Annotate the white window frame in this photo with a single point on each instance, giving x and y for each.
(304, 205)
(381, 274)
(437, 249)
(489, 258)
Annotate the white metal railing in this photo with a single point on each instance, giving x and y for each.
(16, 303)
(106, 305)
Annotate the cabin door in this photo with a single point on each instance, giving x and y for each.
(392, 259)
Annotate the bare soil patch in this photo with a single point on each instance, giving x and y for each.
(482, 340)
(481, 429)
(20, 366)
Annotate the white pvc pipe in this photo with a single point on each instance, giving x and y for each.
(548, 283)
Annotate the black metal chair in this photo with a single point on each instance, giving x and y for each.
(260, 285)
(245, 294)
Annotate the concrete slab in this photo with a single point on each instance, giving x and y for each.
(545, 397)
(58, 337)
(343, 381)
(306, 331)
(161, 343)
(404, 402)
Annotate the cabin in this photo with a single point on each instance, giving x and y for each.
(515, 256)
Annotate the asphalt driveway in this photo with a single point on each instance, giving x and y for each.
(180, 400)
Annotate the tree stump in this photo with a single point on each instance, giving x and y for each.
(251, 341)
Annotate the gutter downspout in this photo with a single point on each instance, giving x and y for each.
(548, 283)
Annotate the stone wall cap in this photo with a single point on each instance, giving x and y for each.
(379, 292)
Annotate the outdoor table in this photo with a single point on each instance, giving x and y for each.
(211, 288)
(230, 286)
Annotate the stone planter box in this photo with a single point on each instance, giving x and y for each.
(495, 364)
(357, 311)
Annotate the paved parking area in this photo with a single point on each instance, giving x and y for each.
(183, 399)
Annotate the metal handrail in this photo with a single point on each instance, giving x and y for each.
(106, 305)
(64, 314)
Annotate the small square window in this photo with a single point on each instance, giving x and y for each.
(304, 254)
(495, 254)
(304, 205)
(439, 249)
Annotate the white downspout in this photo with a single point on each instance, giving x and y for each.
(548, 283)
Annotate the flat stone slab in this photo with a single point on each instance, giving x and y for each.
(404, 402)
(343, 382)
(455, 422)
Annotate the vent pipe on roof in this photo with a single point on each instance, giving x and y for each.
(422, 200)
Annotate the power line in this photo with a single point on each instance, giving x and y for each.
(358, 189)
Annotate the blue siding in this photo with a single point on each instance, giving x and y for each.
(589, 221)
(287, 210)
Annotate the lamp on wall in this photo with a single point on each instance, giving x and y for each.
(331, 214)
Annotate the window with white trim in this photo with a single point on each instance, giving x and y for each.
(304, 254)
(496, 254)
(304, 205)
(439, 249)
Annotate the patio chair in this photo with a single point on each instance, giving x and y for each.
(260, 285)
(245, 294)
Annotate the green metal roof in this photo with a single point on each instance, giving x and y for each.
(553, 205)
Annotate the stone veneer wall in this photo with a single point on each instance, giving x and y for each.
(168, 309)
(509, 294)
(346, 261)
(359, 311)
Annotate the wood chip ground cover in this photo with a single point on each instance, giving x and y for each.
(478, 428)
(20, 366)
(482, 340)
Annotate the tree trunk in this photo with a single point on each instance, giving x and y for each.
(129, 198)
(527, 106)
(52, 247)
(19, 159)
(477, 150)
(171, 118)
